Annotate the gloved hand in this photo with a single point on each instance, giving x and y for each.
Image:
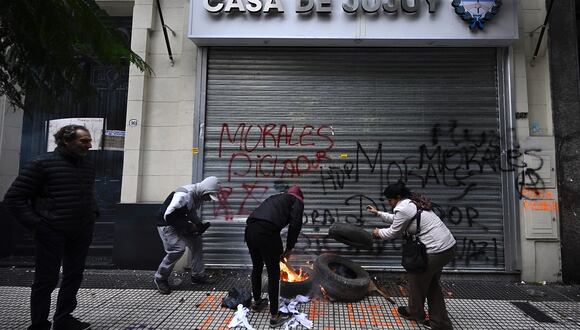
(199, 228)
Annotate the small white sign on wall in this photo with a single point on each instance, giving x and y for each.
(94, 125)
(114, 140)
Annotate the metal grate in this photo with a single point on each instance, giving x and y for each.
(533, 312)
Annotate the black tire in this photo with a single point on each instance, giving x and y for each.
(351, 235)
(341, 278)
(292, 289)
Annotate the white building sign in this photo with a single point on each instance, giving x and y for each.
(351, 23)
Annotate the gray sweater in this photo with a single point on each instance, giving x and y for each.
(434, 234)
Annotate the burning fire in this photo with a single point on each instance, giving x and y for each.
(287, 274)
(324, 293)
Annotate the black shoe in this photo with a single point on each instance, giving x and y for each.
(162, 286)
(404, 313)
(46, 325)
(201, 279)
(259, 305)
(427, 324)
(71, 323)
(279, 320)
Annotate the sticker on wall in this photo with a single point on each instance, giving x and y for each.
(114, 140)
(476, 12)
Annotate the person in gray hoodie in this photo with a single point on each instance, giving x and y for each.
(179, 226)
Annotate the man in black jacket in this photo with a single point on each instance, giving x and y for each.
(54, 198)
(263, 239)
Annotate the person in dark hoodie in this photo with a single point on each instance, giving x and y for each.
(262, 237)
(54, 198)
(179, 227)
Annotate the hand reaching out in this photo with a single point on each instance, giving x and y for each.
(372, 209)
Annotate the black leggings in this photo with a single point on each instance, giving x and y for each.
(265, 245)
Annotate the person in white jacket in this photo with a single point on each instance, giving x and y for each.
(179, 226)
(440, 246)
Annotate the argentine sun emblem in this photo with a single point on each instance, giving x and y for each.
(476, 12)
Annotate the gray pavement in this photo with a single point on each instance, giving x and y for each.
(115, 299)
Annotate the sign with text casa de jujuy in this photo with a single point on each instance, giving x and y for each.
(347, 23)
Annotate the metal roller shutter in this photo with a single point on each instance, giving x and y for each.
(343, 124)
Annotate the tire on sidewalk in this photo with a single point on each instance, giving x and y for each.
(292, 289)
(341, 278)
(351, 235)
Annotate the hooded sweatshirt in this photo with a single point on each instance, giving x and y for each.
(180, 207)
(281, 210)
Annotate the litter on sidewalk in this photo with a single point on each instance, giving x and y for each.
(241, 318)
(290, 306)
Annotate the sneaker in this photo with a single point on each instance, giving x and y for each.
(71, 323)
(279, 320)
(162, 286)
(201, 279)
(404, 313)
(259, 305)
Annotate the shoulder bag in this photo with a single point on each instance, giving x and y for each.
(414, 251)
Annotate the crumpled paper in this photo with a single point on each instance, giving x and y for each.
(290, 306)
(241, 318)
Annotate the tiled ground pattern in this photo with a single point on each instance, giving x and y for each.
(226, 279)
(132, 309)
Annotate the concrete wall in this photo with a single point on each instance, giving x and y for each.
(539, 223)
(158, 144)
(10, 136)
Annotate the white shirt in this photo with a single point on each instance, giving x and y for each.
(434, 234)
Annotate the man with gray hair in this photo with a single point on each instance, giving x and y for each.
(54, 198)
(179, 227)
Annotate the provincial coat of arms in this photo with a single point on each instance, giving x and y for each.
(476, 12)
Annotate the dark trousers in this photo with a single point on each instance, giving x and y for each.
(53, 248)
(265, 245)
(427, 285)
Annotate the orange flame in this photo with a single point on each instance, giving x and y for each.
(287, 274)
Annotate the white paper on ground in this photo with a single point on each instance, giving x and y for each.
(241, 318)
(291, 307)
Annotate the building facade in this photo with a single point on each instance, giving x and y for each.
(343, 98)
